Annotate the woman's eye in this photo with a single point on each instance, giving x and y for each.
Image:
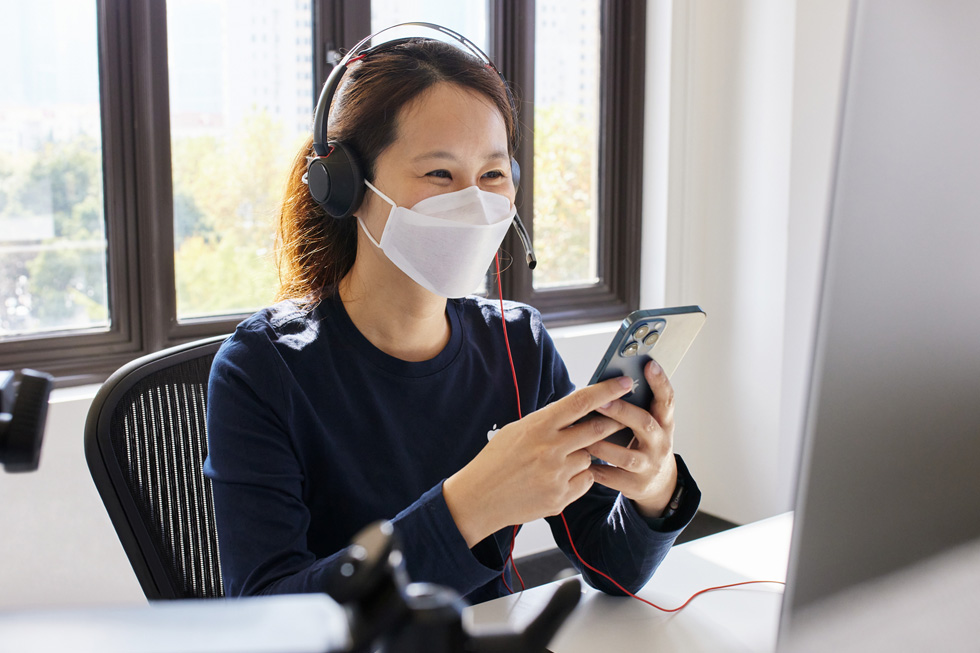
(441, 174)
(494, 174)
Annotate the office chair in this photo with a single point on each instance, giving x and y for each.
(145, 443)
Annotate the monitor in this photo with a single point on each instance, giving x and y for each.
(890, 463)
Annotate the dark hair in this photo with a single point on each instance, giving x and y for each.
(315, 251)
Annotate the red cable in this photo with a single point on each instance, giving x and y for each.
(513, 537)
(517, 389)
(503, 321)
(638, 598)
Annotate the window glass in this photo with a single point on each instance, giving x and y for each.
(468, 18)
(566, 142)
(52, 217)
(241, 103)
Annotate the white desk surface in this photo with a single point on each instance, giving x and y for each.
(302, 623)
(738, 619)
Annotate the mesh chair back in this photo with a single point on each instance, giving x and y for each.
(145, 443)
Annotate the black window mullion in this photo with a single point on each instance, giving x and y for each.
(119, 160)
(154, 199)
(511, 41)
(621, 123)
(337, 26)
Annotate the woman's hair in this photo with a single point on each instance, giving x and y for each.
(314, 250)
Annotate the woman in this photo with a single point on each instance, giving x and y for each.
(372, 391)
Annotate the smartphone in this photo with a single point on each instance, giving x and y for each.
(660, 334)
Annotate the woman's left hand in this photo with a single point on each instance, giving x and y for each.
(646, 471)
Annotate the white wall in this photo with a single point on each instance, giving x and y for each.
(820, 43)
(753, 98)
(727, 238)
(57, 546)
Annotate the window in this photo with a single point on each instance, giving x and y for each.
(566, 143)
(224, 215)
(144, 175)
(52, 221)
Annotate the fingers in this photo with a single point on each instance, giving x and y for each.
(579, 461)
(578, 485)
(570, 409)
(626, 459)
(648, 431)
(614, 478)
(580, 403)
(662, 407)
(587, 432)
(650, 491)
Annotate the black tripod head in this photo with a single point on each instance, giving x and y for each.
(389, 614)
(23, 409)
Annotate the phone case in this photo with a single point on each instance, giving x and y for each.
(663, 335)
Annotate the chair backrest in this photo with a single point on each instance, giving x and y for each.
(145, 443)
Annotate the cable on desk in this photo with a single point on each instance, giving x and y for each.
(650, 603)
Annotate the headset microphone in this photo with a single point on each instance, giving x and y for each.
(515, 175)
(532, 260)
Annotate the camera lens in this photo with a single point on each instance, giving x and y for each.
(652, 339)
(641, 331)
(630, 350)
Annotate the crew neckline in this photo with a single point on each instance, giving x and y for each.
(334, 309)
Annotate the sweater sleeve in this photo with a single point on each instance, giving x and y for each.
(257, 480)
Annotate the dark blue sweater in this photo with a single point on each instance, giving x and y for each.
(313, 433)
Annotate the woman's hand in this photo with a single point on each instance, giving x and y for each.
(536, 466)
(646, 471)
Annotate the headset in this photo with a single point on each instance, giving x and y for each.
(334, 175)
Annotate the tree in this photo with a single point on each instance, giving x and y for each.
(225, 223)
(59, 283)
(564, 205)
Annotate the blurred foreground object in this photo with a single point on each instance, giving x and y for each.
(23, 409)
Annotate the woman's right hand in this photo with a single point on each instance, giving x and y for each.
(533, 467)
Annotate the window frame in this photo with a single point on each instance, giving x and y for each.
(134, 99)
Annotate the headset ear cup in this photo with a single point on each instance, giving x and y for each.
(515, 172)
(336, 182)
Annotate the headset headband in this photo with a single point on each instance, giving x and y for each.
(320, 121)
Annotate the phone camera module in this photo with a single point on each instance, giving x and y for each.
(651, 339)
(630, 350)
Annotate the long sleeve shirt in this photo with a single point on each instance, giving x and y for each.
(314, 433)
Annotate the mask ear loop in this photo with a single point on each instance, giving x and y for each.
(379, 193)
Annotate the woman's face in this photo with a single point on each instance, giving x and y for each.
(447, 139)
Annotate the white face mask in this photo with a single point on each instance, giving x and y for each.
(445, 243)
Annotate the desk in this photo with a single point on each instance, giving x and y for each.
(737, 619)
(306, 623)
(741, 619)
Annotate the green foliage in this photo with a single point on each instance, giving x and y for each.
(225, 199)
(68, 287)
(59, 283)
(564, 207)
